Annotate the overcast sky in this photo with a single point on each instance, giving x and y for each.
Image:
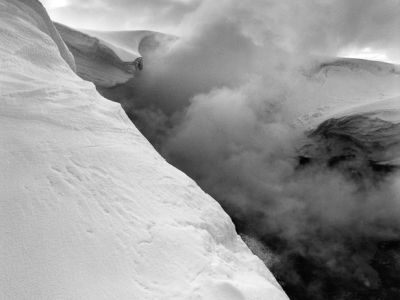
(161, 15)
(364, 28)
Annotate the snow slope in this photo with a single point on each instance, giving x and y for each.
(358, 129)
(336, 84)
(89, 210)
(32, 11)
(97, 61)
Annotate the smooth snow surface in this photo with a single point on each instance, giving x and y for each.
(33, 11)
(89, 210)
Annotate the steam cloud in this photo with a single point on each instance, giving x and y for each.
(217, 105)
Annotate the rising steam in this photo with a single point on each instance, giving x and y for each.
(217, 104)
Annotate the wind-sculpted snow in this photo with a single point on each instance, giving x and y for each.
(111, 59)
(363, 141)
(338, 83)
(97, 61)
(138, 42)
(89, 210)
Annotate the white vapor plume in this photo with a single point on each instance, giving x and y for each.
(217, 104)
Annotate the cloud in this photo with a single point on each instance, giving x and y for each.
(217, 105)
(357, 24)
(321, 26)
(51, 4)
(121, 14)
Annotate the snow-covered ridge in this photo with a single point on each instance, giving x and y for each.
(98, 61)
(89, 210)
(333, 85)
(360, 134)
(375, 67)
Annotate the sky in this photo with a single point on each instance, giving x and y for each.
(351, 28)
(159, 15)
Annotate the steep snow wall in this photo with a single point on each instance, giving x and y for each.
(97, 61)
(89, 210)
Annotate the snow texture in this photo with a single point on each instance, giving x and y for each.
(89, 210)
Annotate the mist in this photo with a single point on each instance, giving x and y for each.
(217, 103)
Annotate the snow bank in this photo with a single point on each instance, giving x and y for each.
(334, 85)
(360, 133)
(97, 61)
(89, 210)
(134, 42)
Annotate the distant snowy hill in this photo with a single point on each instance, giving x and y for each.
(335, 84)
(89, 210)
(358, 128)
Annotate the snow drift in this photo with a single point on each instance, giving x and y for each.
(358, 130)
(89, 210)
(98, 61)
(132, 42)
(364, 140)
